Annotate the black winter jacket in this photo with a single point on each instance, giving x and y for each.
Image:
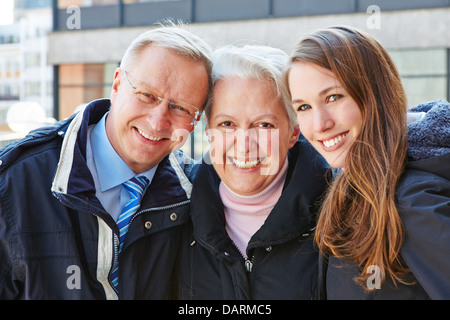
(57, 241)
(423, 197)
(283, 261)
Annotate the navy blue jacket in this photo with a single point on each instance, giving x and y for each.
(56, 239)
(423, 197)
(283, 261)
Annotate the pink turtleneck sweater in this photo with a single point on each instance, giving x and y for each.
(245, 215)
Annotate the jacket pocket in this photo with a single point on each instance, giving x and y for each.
(53, 265)
(43, 245)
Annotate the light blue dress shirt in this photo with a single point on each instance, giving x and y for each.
(109, 170)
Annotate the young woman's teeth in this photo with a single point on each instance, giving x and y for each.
(146, 136)
(245, 164)
(332, 142)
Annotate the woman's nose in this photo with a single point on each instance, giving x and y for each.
(245, 141)
(323, 120)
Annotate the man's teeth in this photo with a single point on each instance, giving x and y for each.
(245, 164)
(332, 142)
(146, 136)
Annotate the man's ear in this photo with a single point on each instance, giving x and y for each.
(116, 81)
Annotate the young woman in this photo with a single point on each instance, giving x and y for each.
(384, 226)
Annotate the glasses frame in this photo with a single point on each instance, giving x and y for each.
(197, 113)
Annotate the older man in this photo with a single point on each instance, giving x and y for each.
(72, 222)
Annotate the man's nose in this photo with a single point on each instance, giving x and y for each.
(159, 116)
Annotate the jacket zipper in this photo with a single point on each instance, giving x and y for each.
(248, 263)
(116, 261)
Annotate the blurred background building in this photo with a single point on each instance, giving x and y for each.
(26, 77)
(63, 53)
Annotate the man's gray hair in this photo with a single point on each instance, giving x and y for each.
(253, 62)
(174, 37)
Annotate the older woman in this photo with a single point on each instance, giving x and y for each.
(385, 223)
(253, 209)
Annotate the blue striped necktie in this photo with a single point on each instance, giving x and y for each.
(135, 187)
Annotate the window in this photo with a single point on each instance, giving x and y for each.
(424, 73)
(81, 83)
(62, 4)
(140, 1)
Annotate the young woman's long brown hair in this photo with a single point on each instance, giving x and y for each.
(359, 220)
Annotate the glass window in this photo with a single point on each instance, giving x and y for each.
(62, 4)
(9, 91)
(424, 73)
(420, 61)
(140, 1)
(423, 89)
(81, 83)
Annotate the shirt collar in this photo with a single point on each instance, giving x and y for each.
(111, 169)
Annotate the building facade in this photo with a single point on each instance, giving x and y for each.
(25, 74)
(90, 36)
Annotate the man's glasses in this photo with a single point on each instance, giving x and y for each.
(181, 111)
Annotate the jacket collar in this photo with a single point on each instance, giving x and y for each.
(73, 152)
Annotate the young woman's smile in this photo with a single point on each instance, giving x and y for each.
(328, 116)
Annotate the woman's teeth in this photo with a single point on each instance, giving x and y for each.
(332, 142)
(246, 164)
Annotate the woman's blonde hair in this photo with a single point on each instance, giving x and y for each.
(359, 220)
